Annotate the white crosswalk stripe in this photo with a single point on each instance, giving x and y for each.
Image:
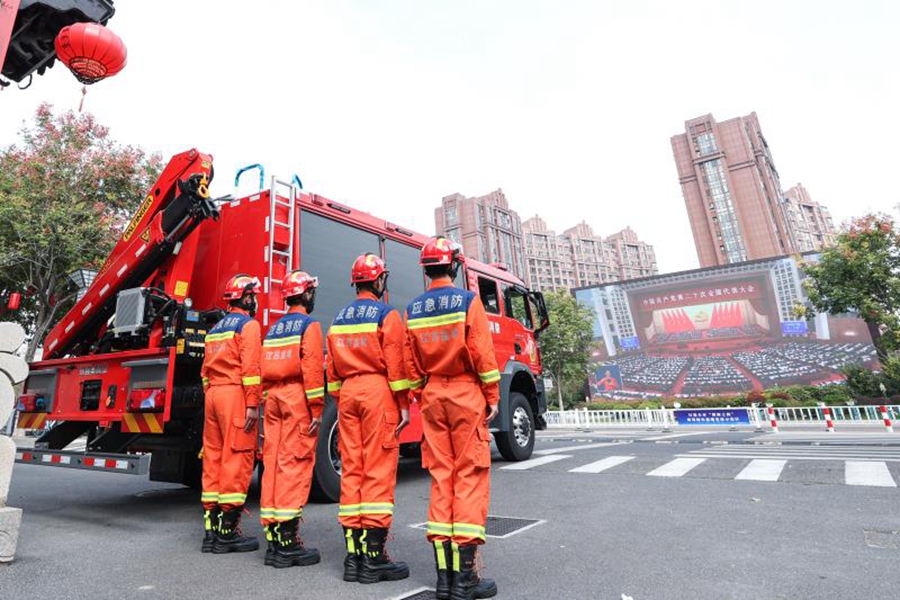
(676, 468)
(868, 473)
(602, 465)
(762, 470)
(862, 466)
(534, 462)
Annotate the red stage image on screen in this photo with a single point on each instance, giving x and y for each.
(708, 316)
(709, 332)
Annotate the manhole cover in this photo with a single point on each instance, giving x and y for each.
(500, 527)
(882, 539)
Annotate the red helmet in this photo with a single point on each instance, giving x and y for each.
(367, 267)
(239, 285)
(440, 251)
(298, 282)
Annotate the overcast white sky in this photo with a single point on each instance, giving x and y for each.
(568, 106)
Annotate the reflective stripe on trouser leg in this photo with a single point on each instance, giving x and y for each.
(230, 465)
(459, 459)
(472, 464)
(350, 446)
(272, 429)
(212, 453)
(372, 421)
(293, 458)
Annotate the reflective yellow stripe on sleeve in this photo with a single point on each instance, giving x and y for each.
(252, 380)
(206, 381)
(315, 393)
(415, 384)
(490, 376)
(334, 386)
(449, 319)
(399, 385)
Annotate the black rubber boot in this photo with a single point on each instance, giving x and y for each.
(443, 561)
(229, 537)
(467, 585)
(354, 554)
(289, 548)
(210, 525)
(270, 544)
(376, 564)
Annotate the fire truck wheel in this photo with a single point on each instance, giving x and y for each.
(517, 442)
(326, 484)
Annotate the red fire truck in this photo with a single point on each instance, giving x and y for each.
(122, 367)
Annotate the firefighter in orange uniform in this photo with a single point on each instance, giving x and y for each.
(231, 383)
(366, 374)
(450, 353)
(293, 370)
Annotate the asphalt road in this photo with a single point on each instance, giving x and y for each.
(633, 513)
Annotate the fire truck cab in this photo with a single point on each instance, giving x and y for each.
(123, 364)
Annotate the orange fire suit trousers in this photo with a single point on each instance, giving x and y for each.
(457, 453)
(367, 419)
(228, 451)
(289, 452)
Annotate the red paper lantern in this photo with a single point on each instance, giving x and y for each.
(15, 299)
(91, 51)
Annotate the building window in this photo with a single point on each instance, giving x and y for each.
(451, 215)
(706, 143)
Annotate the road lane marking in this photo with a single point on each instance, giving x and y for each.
(578, 447)
(676, 435)
(676, 468)
(762, 470)
(835, 458)
(601, 465)
(534, 462)
(868, 473)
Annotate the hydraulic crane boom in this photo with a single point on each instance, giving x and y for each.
(176, 204)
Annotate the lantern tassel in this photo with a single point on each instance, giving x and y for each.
(83, 94)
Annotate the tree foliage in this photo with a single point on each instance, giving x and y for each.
(66, 192)
(566, 343)
(861, 273)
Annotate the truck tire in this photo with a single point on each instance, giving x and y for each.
(326, 483)
(517, 442)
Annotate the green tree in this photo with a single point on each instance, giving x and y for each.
(66, 192)
(566, 343)
(861, 273)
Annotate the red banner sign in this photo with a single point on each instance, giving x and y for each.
(719, 292)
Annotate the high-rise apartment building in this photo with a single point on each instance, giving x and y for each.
(632, 257)
(732, 190)
(809, 222)
(485, 226)
(578, 257)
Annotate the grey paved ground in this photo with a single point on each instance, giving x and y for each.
(622, 531)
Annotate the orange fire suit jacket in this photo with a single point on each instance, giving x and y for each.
(375, 346)
(437, 344)
(232, 357)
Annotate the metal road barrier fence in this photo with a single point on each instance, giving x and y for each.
(756, 416)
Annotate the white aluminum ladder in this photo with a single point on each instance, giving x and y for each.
(271, 225)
